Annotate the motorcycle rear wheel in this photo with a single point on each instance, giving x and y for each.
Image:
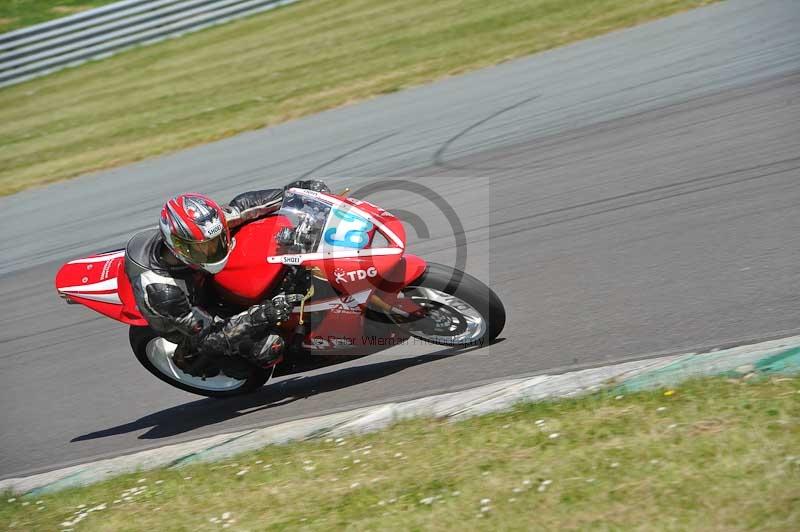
(154, 353)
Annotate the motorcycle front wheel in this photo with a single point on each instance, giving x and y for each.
(458, 309)
(155, 354)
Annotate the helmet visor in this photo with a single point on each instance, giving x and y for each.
(208, 251)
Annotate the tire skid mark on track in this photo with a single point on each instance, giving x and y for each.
(438, 157)
(652, 190)
(561, 210)
(604, 127)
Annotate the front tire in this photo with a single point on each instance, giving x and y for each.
(154, 353)
(461, 310)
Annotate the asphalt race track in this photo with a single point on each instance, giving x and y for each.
(629, 195)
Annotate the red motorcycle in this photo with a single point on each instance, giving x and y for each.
(341, 261)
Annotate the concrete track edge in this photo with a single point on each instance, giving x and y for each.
(772, 357)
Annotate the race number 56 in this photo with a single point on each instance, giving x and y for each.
(351, 230)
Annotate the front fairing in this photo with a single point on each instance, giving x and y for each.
(350, 243)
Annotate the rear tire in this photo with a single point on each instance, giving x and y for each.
(140, 337)
(479, 298)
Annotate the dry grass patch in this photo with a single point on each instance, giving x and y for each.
(68, 10)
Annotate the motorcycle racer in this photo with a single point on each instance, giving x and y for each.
(169, 269)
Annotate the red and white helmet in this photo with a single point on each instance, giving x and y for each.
(196, 231)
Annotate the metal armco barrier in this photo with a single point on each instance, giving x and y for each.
(69, 41)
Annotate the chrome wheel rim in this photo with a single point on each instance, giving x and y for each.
(159, 352)
(470, 329)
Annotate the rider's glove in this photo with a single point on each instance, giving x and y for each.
(276, 310)
(309, 184)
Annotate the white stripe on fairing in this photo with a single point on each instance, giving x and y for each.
(110, 284)
(104, 298)
(101, 258)
(344, 254)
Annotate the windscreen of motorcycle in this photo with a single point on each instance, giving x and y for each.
(315, 224)
(307, 218)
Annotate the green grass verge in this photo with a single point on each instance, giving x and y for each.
(270, 68)
(716, 454)
(15, 14)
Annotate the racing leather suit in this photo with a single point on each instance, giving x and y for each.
(173, 299)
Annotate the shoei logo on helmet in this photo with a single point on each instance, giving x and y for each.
(212, 229)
